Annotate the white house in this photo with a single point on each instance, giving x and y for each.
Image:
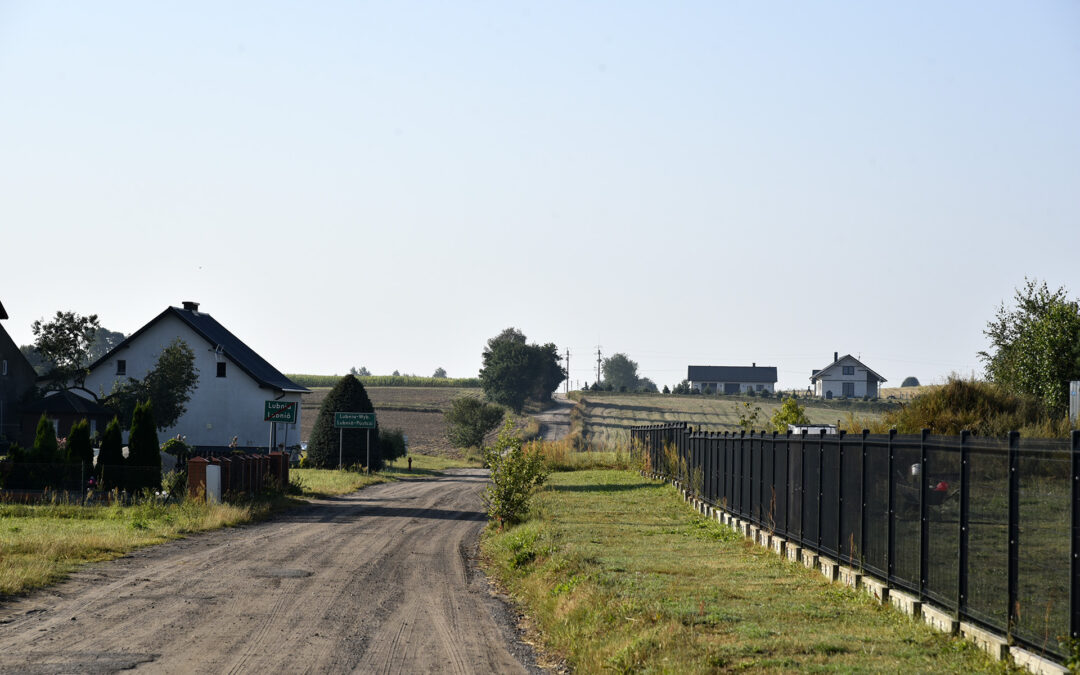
(234, 382)
(732, 379)
(845, 376)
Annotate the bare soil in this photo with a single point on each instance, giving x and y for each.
(382, 580)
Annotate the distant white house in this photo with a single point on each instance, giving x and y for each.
(732, 379)
(845, 376)
(234, 381)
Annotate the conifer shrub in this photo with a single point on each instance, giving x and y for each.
(348, 395)
(79, 449)
(45, 446)
(109, 468)
(144, 453)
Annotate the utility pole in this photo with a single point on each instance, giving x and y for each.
(598, 364)
(567, 370)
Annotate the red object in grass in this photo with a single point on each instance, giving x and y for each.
(942, 486)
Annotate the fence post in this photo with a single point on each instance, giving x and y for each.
(1014, 529)
(862, 500)
(820, 487)
(802, 484)
(965, 495)
(787, 484)
(840, 495)
(890, 549)
(924, 515)
(1074, 584)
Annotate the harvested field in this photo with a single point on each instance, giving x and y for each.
(608, 417)
(417, 411)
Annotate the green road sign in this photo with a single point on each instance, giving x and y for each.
(354, 420)
(280, 411)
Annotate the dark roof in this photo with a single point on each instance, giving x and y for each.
(814, 375)
(3, 312)
(731, 373)
(67, 402)
(231, 346)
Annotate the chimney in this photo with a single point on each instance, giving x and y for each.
(835, 355)
(753, 365)
(191, 306)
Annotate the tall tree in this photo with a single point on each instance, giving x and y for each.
(1035, 345)
(620, 372)
(64, 343)
(45, 445)
(348, 395)
(79, 448)
(168, 385)
(515, 370)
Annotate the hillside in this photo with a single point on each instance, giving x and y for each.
(418, 411)
(608, 417)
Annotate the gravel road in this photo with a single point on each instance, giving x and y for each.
(555, 421)
(383, 580)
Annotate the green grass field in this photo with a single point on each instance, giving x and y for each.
(607, 418)
(618, 574)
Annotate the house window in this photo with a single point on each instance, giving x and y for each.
(760, 387)
(221, 369)
(849, 388)
(121, 367)
(3, 369)
(849, 370)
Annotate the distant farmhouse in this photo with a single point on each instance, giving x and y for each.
(845, 376)
(732, 379)
(17, 377)
(233, 381)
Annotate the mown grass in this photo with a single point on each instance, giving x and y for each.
(617, 573)
(41, 544)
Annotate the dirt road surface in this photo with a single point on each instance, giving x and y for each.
(555, 421)
(379, 581)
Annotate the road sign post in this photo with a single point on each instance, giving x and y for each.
(278, 411)
(354, 420)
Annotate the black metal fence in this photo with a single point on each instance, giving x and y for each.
(986, 528)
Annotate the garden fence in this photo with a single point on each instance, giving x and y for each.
(985, 528)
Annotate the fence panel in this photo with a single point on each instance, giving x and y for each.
(942, 489)
(851, 499)
(830, 495)
(906, 509)
(988, 536)
(875, 553)
(796, 487)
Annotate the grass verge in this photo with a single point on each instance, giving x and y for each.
(617, 573)
(41, 544)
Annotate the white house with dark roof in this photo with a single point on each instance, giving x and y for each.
(233, 381)
(732, 379)
(845, 376)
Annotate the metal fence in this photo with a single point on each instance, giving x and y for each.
(985, 528)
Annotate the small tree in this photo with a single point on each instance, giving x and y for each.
(789, 413)
(168, 385)
(515, 471)
(666, 389)
(620, 371)
(110, 460)
(144, 453)
(439, 372)
(391, 444)
(79, 449)
(45, 445)
(469, 419)
(910, 381)
(747, 415)
(348, 395)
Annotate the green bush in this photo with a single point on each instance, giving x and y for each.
(515, 472)
(348, 395)
(79, 450)
(144, 453)
(469, 419)
(391, 444)
(110, 461)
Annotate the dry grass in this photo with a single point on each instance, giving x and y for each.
(904, 393)
(41, 544)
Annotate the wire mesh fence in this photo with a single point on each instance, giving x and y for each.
(985, 528)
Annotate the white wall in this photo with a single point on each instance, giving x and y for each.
(718, 387)
(220, 407)
(832, 379)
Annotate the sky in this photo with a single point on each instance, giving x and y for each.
(391, 184)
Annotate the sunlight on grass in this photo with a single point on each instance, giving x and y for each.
(620, 574)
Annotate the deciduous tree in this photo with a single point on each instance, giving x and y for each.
(469, 419)
(1035, 345)
(168, 385)
(64, 343)
(514, 370)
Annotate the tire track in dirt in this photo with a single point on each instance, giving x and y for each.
(374, 581)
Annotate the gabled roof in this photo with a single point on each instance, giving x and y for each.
(3, 312)
(818, 374)
(67, 402)
(216, 336)
(731, 373)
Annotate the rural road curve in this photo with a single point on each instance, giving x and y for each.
(380, 581)
(555, 421)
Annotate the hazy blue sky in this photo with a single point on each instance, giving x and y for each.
(391, 184)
